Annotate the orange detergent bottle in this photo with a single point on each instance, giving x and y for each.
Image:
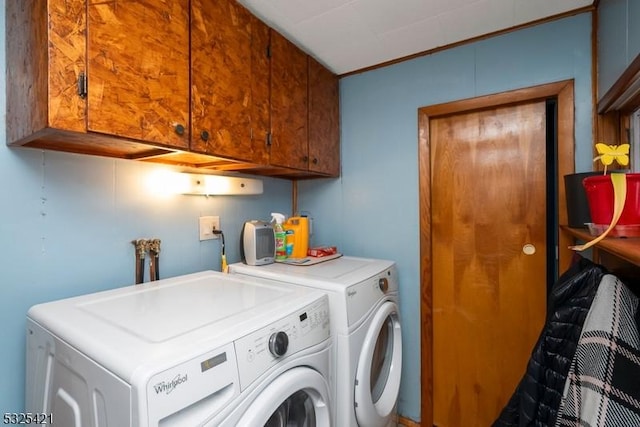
(299, 225)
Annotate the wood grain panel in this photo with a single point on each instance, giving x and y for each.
(90, 143)
(221, 76)
(139, 69)
(27, 68)
(288, 104)
(426, 272)
(45, 57)
(406, 422)
(67, 60)
(324, 120)
(489, 297)
(260, 91)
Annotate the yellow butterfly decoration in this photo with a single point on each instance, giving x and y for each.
(609, 153)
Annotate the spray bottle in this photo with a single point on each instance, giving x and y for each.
(281, 235)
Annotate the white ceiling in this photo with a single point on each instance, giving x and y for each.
(348, 35)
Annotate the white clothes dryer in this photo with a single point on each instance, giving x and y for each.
(206, 349)
(365, 326)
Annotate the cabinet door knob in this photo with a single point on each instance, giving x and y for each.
(204, 135)
(179, 129)
(528, 249)
(315, 161)
(305, 159)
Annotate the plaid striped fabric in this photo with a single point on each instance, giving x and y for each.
(603, 385)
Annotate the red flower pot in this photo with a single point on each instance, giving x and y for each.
(599, 190)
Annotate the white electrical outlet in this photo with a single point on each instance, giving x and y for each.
(207, 225)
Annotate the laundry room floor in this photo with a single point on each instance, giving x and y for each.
(403, 422)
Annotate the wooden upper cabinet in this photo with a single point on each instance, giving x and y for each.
(45, 56)
(200, 83)
(324, 120)
(229, 81)
(289, 129)
(138, 70)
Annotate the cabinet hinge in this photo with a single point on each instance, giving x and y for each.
(268, 51)
(82, 85)
(268, 139)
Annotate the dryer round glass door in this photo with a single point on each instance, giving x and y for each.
(299, 397)
(297, 410)
(379, 365)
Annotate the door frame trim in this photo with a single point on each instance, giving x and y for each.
(564, 92)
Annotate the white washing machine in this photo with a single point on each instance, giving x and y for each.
(205, 349)
(365, 325)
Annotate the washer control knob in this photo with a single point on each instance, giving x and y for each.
(278, 343)
(383, 284)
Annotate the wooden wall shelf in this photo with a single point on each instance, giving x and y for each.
(627, 249)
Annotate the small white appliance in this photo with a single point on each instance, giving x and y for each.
(258, 243)
(367, 353)
(205, 349)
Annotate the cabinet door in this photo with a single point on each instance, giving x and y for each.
(46, 54)
(260, 91)
(288, 104)
(138, 70)
(228, 53)
(67, 59)
(324, 120)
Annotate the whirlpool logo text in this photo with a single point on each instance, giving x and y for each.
(167, 387)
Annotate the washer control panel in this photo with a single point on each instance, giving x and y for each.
(264, 348)
(362, 296)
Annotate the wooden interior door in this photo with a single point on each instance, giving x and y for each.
(488, 148)
(489, 288)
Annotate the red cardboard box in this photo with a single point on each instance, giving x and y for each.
(321, 251)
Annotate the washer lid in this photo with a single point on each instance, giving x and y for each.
(143, 329)
(334, 269)
(157, 314)
(336, 273)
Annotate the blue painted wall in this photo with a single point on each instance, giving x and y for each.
(66, 223)
(373, 209)
(618, 40)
